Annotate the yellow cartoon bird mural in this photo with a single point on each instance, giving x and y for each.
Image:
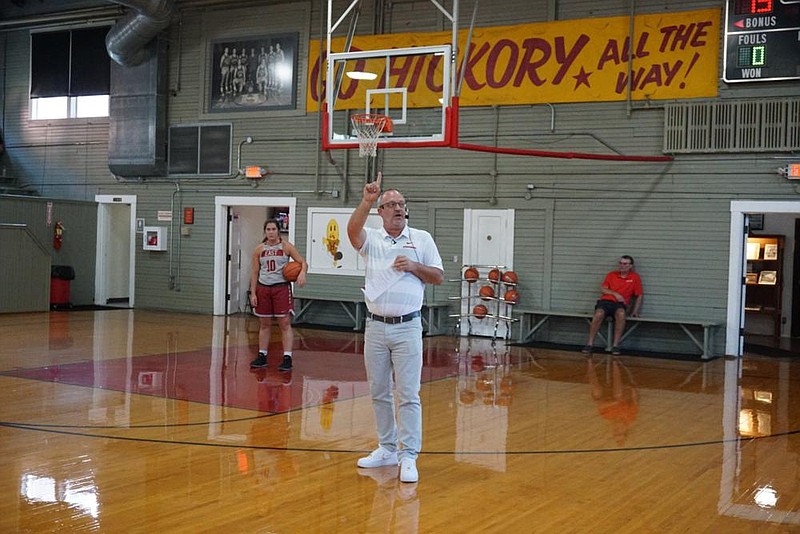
(331, 241)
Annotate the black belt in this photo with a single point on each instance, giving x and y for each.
(393, 320)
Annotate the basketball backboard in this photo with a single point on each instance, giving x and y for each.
(409, 85)
(413, 86)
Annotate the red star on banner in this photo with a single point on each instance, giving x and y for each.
(582, 78)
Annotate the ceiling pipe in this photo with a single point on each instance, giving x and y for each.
(126, 42)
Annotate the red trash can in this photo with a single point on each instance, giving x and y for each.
(61, 277)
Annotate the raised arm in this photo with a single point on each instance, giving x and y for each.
(355, 225)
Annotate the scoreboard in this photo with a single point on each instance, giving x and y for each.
(762, 40)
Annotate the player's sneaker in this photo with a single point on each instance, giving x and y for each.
(286, 364)
(260, 361)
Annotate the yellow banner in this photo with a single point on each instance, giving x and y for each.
(671, 56)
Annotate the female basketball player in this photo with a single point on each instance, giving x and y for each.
(271, 293)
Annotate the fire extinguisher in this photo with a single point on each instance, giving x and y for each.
(58, 235)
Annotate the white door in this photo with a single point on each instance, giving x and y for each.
(235, 296)
(488, 244)
(245, 231)
(116, 250)
(743, 269)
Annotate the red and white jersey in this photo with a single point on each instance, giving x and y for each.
(272, 260)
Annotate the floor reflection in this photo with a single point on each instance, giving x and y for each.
(761, 476)
(615, 393)
(140, 400)
(484, 394)
(395, 505)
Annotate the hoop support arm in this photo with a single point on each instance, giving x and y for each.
(561, 155)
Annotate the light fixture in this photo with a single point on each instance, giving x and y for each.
(254, 172)
(361, 75)
(529, 191)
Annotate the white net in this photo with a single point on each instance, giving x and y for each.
(368, 127)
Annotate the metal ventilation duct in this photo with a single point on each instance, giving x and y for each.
(138, 98)
(127, 40)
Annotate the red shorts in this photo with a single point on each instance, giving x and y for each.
(274, 301)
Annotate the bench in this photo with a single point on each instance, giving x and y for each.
(356, 310)
(532, 320)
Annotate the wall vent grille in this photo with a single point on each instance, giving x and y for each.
(200, 149)
(763, 125)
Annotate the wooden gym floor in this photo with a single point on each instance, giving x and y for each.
(140, 421)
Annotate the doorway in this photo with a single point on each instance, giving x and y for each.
(238, 227)
(734, 338)
(488, 243)
(115, 266)
(795, 328)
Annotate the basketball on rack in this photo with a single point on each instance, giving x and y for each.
(480, 311)
(494, 275)
(511, 296)
(292, 270)
(510, 277)
(471, 274)
(486, 292)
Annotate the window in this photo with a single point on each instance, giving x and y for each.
(70, 74)
(68, 107)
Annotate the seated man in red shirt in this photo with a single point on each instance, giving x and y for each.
(617, 289)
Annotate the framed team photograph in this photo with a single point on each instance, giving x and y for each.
(768, 278)
(771, 251)
(253, 73)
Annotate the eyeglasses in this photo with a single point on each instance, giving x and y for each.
(392, 204)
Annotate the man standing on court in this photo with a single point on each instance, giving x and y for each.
(399, 262)
(617, 289)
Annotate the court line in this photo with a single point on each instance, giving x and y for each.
(426, 453)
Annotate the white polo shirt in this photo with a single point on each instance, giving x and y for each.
(389, 292)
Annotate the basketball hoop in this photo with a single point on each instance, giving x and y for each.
(368, 127)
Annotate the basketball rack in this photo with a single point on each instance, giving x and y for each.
(498, 309)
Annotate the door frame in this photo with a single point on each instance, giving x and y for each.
(100, 278)
(794, 331)
(221, 205)
(735, 288)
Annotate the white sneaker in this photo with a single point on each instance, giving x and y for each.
(380, 457)
(408, 470)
